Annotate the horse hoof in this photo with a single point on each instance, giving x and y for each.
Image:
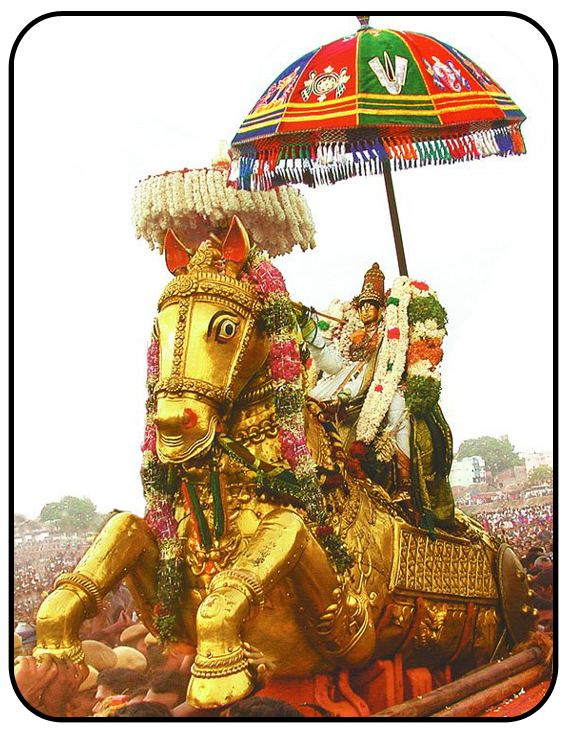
(219, 691)
(72, 652)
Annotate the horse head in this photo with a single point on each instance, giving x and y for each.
(211, 341)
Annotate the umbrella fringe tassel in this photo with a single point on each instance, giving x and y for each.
(266, 165)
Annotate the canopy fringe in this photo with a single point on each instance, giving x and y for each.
(327, 163)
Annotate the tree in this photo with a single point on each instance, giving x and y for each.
(541, 474)
(498, 454)
(72, 515)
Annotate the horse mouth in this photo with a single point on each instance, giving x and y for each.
(176, 449)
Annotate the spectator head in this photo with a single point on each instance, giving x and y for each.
(99, 655)
(144, 709)
(135, 637)
(261, 706)
(82, 704)
(138, 695)
(171, 658)
(114, 681)
(169, 688)
(127, 657)
(544, 579)
(543, 562)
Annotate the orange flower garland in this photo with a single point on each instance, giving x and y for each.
(425, 350)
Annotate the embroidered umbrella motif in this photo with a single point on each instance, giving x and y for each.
(366, 102)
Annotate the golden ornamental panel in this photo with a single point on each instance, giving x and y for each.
(444, 567)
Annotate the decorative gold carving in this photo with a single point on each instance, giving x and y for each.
(179, 384)
(259, 394)
(315, 617)
(205, 256)
(90, 588)
(443, 567)
(258, 432)
(211, 668)
(179, 343)
(242, 580)
(402, 616)
(430, 627)
(209, 283)
(342, 624)
(73, 652)
(350, 509)
(485, 632)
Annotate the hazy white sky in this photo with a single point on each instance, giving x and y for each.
(103, 102)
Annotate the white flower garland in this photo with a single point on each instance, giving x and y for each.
(390, 364)
(424, 368)
(277, 219)
(426, 329)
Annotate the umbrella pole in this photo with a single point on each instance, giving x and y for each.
(387, 170)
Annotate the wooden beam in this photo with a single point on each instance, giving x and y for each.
(387, 171)
(473, 682)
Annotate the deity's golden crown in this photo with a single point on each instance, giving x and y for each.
(373, 287)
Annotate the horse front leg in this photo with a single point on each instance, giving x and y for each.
(282, 546)
(125, 546)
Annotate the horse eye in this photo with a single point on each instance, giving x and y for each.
(225, 330)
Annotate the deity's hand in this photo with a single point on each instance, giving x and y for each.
(32, 678)
(262, 669)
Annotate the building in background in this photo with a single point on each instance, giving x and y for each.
(468, 471)
(511, 478)
(535, 459)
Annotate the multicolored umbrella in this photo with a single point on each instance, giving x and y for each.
(368, 101)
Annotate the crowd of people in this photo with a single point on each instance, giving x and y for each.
(36, 565)
(521, 527)
(128, 674)
(125, 672)
(529, 531)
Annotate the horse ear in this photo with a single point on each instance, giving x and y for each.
(235, 247)
(176, 256)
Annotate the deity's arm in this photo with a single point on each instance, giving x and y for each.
(323, 351)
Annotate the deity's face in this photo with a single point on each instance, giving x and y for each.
(369, 313)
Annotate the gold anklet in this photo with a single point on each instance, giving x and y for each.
(88, 586)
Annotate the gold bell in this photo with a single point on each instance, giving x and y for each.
(525, 609)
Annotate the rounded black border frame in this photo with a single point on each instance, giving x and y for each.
(555, 279)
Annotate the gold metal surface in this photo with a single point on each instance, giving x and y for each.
(267, 579)
(517, 598)
(445, 567)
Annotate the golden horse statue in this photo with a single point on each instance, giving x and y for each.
(320, 580)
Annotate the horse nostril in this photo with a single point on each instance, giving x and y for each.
(190, 419)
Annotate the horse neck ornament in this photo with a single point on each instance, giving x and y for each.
(311, 565)
(211, 343)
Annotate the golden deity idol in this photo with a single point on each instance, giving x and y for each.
(256, 532)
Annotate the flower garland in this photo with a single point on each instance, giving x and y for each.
(344, 334)
(192, 201)
(286, 371)
(427, 319)
(414, 328)
(390, 364)
(160, 485)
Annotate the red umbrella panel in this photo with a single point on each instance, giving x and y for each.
(346, 108)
